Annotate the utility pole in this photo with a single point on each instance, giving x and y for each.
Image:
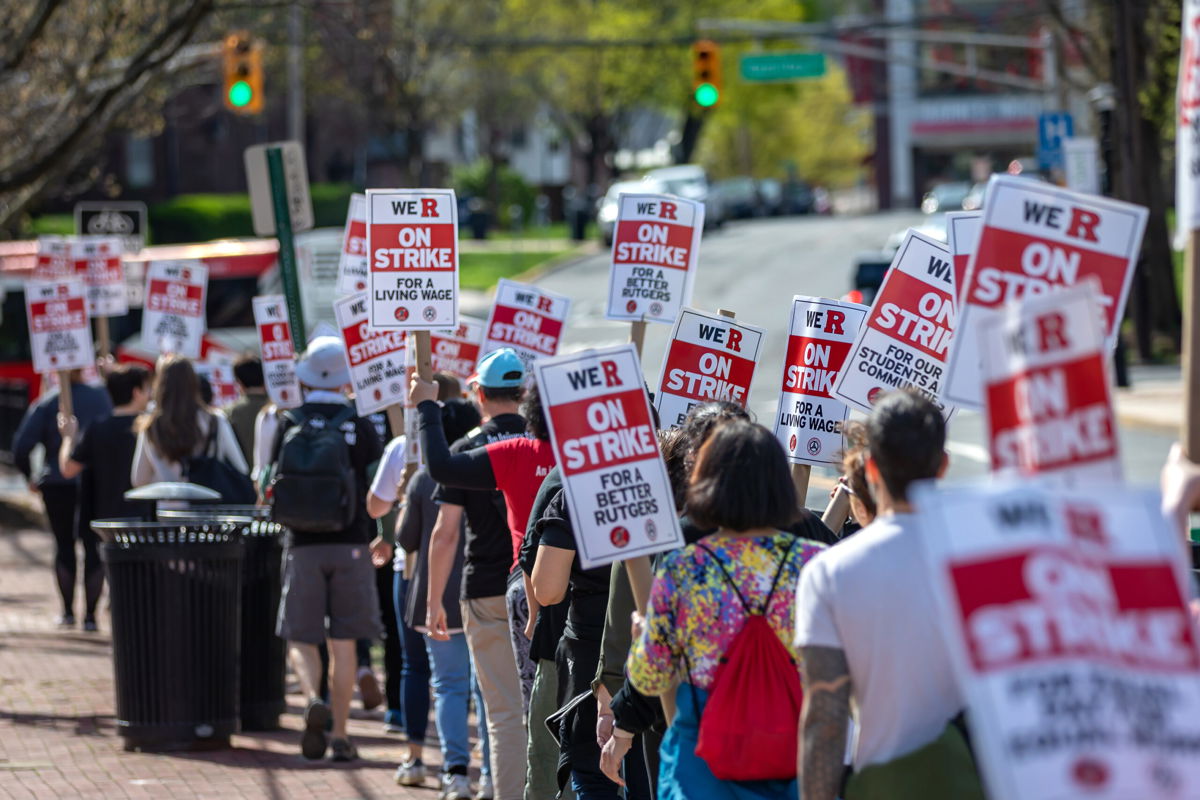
(295, 73)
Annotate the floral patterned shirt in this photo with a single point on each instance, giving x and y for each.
(693, 608)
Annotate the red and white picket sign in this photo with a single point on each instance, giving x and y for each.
(412, 436)
(376, 357)
(278, 353)
(1065, 612)
(1187, 131)
(809, 420)
(455, 352)
(526, 318)
(173, 316)
(219, 374)
(709, 357)
(962, 235)
(1047, 394)
(656, 243)
(617, 488)
(1037, 238)
(412, 246)
(95, 260)
(352, 260)
(904, 340)
(60, 335)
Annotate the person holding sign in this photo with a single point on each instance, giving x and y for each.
(60, 494)
(866, 619)
(703, 604)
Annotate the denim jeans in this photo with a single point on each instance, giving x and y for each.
(415, 676)
(451, 682)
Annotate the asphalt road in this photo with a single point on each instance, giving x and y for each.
(754, 268)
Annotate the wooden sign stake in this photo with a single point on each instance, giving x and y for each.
(637, 335)
(65, 406)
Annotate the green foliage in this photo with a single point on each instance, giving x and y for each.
(51, 224)
(201, 217)
(810, 127)
(474, 180)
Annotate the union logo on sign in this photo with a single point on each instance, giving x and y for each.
(874, 395)
(619, 536)
(401, 314)
(631, 306)
(792, 443)
(814, 446)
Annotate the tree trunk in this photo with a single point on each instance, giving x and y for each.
(693, 123)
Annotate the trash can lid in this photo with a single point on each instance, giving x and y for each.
(172, 490)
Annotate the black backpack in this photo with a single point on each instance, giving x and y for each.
(207, 469)
(313, 489)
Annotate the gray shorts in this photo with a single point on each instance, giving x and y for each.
(328, 592)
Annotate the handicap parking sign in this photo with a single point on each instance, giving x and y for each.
(1053, 128)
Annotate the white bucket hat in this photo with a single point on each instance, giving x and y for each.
(323, 364)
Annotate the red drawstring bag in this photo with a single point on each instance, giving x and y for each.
(750, 727)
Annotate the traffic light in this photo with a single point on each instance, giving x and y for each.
(706, 73)
(243, 85)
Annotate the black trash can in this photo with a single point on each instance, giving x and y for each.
(263, 654)
(175, 591)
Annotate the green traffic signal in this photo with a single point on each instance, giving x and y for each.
(706, 95)
(240, 94)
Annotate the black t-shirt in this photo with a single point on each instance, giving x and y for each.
(807, 526)
(588, 590)
(365, 448)
(105, 449)
(488, 556)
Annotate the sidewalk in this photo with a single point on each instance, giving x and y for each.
(57, 727)
(1154, 401)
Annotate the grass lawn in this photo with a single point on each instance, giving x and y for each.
(61, 224)
(555, 230)
(482, 270)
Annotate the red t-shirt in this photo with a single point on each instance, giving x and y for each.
(520, 465)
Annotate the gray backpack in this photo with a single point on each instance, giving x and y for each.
(313, 488)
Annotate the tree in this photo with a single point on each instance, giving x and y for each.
(1134, 45)
(808, 127)
(71, 71)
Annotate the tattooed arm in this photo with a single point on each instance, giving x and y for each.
(826, 680)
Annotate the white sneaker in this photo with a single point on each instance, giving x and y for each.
(410, 773)
(486, 792)
(455, 787)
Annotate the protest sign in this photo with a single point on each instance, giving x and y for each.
(173, 317)
(455, 352)
(904, 340)
(527, 319)
(59, 334)
(1048, 404)
(412, 437)
(1187, 128)
(1037, 238)
(53, 260)
(962, 234)
(709, 357)
(352, 261)
(809, 420)
(376, 357)
(1066, 619)
(97, 261)
(278, 353)
(412, 246)
(603, 434)
(656, 243)
(219, 374)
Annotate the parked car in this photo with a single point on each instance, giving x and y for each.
(606, 209)
(870, 266)
(798, 198)
(945, 197)
(770, 193)
(740, 197)
(691, 181)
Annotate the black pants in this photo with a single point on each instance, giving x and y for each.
(62, 509)
(393, 648)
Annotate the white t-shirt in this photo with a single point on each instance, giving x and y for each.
(869, 596)
(387, 479)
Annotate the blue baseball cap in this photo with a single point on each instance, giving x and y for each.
(499, 369)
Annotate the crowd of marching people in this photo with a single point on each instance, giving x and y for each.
(735, 678)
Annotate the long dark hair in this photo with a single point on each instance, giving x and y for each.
(535, 416)
(172, 426)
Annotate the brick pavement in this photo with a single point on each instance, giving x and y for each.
(57, 729)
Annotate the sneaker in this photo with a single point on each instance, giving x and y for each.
(410, 773)
(486, 792)
(368, 689)
(65, 621)
(342, 750)
(393, 722)
(89, 624)
(314, 741)
(455, 787)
